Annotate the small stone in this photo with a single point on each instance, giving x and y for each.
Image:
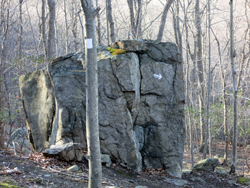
(220, 171)
(199, 179)
(106, 159)
(141, 186)
(73, 168)
(47, 175)
(232, 182)
(178, 182)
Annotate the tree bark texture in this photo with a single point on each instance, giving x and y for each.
(163, 19)
(51, 38)
(92, 123)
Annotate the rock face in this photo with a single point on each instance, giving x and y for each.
(141, 104)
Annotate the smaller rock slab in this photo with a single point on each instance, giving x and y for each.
(73, 168)
(178, 182)
(206, 165)
(221, 171)
(130, 45)
(65, 152)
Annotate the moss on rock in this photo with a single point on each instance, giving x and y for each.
(242, 180)
(116, 51)
(7, 185)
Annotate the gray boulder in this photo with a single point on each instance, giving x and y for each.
(39, 105)
(141, 104)
(19, 136)
(206, 165)
(221, 171)
(66, 152)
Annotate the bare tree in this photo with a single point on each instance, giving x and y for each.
(232, 55)
(92, 123)
(20, 38)
(43, 30)
(110, 25)
(163, 19)
(187, 86)
(98, 29)
(135, 13)
(66, 27)
(208, 86)
(132, 17)
(51, 38)
(3, 50)
(223, 80)
(199, 61)
(74, 23)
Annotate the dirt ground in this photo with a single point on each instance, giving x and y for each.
(34, 170)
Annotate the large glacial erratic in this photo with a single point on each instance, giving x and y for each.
(141, 104)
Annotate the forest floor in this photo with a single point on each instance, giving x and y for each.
(34, 170)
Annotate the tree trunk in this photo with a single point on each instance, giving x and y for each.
(187, 90)
(139, 19)
(132, 18)
(98, 29)
(107, 23)
(224, 101)
(178, 27)
(20, 37)
(92, 123)
(51, 38)
(44, 29)
(163, 19)
(82, 27)
(66, 27)
(74, 24)
(208, 87)
(111, 27)
(232, 55)
(2, 68)
(200, 68)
